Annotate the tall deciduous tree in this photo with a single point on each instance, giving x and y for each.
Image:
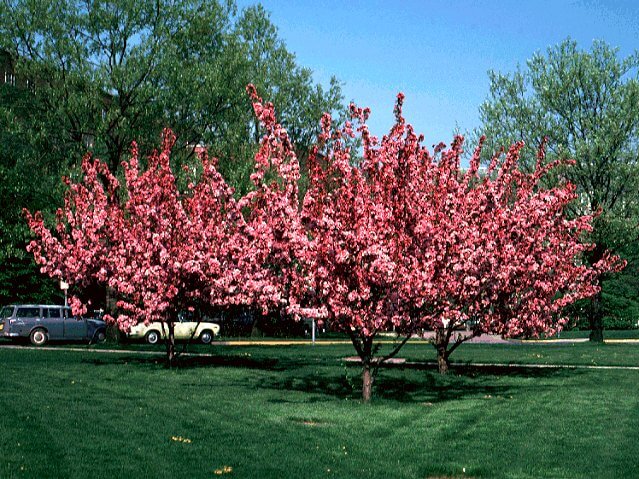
(31, 164)
(114, 72)
(274, 72)
(102, 74)
(585, 102)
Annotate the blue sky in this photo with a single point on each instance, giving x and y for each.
(437, 52)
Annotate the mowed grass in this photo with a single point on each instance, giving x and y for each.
(294, 411)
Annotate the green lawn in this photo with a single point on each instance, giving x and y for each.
(608, 334)
(279, 412)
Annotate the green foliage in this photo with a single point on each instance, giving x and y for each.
(98, 75)
(585, 103)
(30, 170)
(619, 301)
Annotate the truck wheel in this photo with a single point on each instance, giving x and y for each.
(38, 337)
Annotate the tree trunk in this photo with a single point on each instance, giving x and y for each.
(113, 333)
(442, 361)
(595, 319)
(170, 345)
(257, 330)
(367, 383)
(595, 314)
(364, 347)
(441, 345)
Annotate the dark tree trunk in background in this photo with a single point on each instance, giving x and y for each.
(256, 330)
(596, 319)
(595, 312)
(113, 332)
(170, 345)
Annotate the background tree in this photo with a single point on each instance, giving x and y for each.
(32, 160)
(585, 102)
(102, 74)
(289, 87)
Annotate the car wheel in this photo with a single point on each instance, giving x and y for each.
(152, 337)
(38, 337)
(206, 337)
(100, 336)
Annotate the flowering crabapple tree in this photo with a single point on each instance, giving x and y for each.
(354, 256)
(174, 251)
(408, 240)
(494, 253)
(164, 251)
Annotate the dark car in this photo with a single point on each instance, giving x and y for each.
(44, 322)
(244, 322)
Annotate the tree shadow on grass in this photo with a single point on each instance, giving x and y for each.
(416, 383)
(421, 383)
(191, 362)
(513, 370)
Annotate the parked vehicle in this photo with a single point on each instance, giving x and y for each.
(42, 323)
(244, 322)
(185, 328)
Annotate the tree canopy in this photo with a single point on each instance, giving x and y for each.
(586, 103)
(98, 75)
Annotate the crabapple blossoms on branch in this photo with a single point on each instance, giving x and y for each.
(77, 249)
(277, 238)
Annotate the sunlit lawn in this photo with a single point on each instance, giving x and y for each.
(261, 412)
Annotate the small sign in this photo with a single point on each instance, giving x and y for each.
(64, 285)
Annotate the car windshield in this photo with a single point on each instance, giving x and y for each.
(6, 312)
